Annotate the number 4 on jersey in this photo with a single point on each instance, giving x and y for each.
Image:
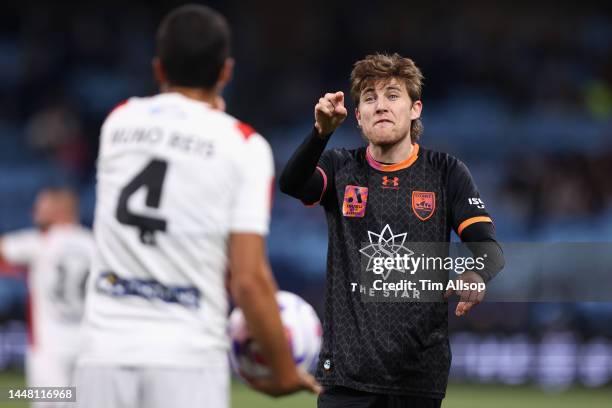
(152, 178)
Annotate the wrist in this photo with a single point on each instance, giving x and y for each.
(320, 133)
(483, 276)
(473, 275)
(289, 381)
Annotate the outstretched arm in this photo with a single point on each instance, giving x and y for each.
(300, 177)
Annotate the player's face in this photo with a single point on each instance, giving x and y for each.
(385, 112)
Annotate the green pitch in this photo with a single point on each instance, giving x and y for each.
(458, 396)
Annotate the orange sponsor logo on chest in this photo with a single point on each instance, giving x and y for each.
(355, 200)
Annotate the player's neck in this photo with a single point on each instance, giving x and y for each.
(45, 228)
(391, 154)
(67, 221)
(198, 94)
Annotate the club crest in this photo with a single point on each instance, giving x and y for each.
(423, 204)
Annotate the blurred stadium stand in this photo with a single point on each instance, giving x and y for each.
(522, 94)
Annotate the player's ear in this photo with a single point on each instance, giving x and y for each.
(416, 109)
(358, 116)
(158, 71)
(226, 73)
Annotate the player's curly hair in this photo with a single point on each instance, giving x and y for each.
(377, 67)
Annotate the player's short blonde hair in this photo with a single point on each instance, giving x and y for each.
(376, 67)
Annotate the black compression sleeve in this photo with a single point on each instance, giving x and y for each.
(480, 238)
(300, 178)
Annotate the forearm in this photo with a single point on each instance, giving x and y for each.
(256, 298)
(480, 239)
(300, 177)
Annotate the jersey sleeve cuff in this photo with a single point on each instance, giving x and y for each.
(471, 221)
(249, 226)
(322, 192)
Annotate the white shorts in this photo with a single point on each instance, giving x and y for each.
(46, 369)
(99, 386)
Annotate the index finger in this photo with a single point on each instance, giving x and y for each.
(312, 385)
(338, 97)
(463, 308)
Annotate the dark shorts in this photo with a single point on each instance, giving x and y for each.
(335, 397)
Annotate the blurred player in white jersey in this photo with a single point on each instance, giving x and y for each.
(183, 197)
(58, 254)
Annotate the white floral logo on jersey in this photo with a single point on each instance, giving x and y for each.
(385, 245)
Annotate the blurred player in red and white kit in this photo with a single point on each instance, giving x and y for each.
(58, 254)
(183, 196)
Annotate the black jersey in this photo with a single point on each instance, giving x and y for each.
(399, 347)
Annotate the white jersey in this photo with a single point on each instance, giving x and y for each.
(175, 178)
(58, 260)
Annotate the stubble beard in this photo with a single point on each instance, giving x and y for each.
(387, 143)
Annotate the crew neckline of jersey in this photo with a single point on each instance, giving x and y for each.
(414, 155)
(175, 94)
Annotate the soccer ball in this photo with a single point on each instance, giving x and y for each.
(302, 328)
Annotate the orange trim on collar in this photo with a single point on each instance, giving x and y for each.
(414, 155)
(471, 221)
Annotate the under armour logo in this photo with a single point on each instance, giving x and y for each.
(390, 182)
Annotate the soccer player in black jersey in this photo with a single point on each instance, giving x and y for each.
(391, 354)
